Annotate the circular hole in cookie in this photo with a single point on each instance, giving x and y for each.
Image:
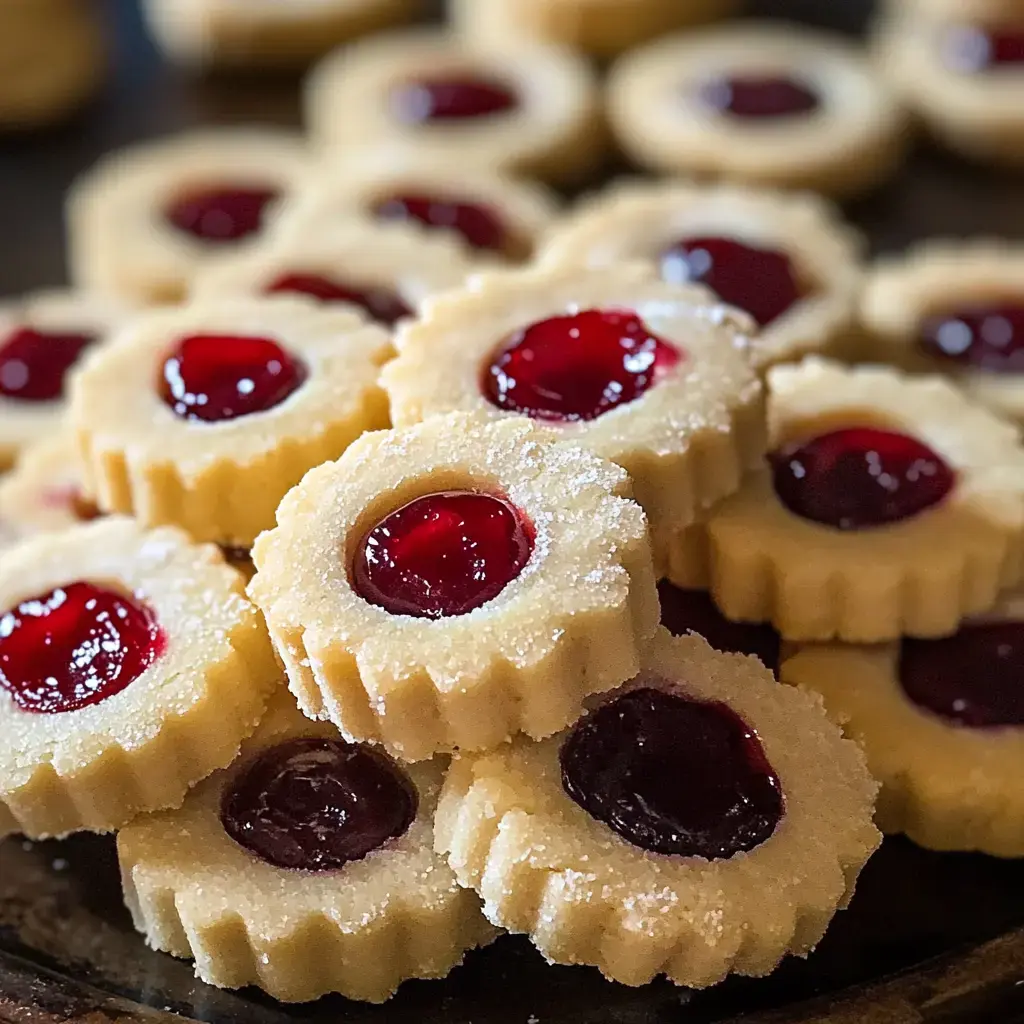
(380, 303)
(975, 49)
(478, 224)
(759, 96)
(983, 335)
(220, 213)
(458, 96)
(34, 362)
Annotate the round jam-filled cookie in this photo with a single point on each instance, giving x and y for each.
(758, 102)
(588, 843)
(145, 220)
(496, 215)
(205, 415)
(787, 260)
(522, 108)
(241, 33)
(889, 506)
(383, 270)
(960, 67)
(453, 583)
(307, 867)
(650, 375)
(942, 725)
(955, 308)
(131, 667)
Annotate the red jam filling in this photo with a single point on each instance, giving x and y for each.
(74, 646)
(973, 678)
(317, 804)
(443, 554)
(213, 377)
(221, 214)
(860, 477)
(380, 304)
(453, 97)
(982, 337)
(577, 367)
(673, 775)
(972, 49)
(759, 96)
(684, 611)
(762, 282)
(33, 363)
(480, 226)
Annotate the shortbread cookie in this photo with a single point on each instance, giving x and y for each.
(305, 868)
(42, 336)
(131, 666)
(763, 103)
(961, 69)
(494, 214)
(526, 107)
(241, 33)
(787, 260)
(890, 506)
(383, 270)
(955, 308)
(204, 416)
(588, 843)
(453, 583)
(145, 220)
(650, 375)
(942, 725)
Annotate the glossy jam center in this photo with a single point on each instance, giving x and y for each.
(759, 96)
(381, 304)
(317, 804)
(212, 377)
(860, 477)
(74, 646)
(33, 363)
(974, 678)
(683, 611)
(973, 48)
(673, 775)
(481, 226)
(443, 554)
(220, 214)
(982, 337)
(761, 282)
(577, 367)
(456, 97)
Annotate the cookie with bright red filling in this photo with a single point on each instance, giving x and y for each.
(313, 854)
(131, 666)
(416, 588)
(206, 415)
(583, 843)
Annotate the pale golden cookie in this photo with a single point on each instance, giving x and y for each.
(424, 666)
(68, 762)
(699, 103)
(359, 929)
(532, 109)
(645, 220)
(145, 220)
(547, 865)
(162, 449)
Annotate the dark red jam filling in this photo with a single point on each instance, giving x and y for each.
(577, 367)
(860, 477)
(33, 363)
(74, 646)
(381, 304)
(317, 804)
(443, 554)
(673, 775)
(983, 337)
(973, 49)
(759, 96)
(220, 214)
(762, 282)
(213, 377)
(973, 678)
(455, 97)
(683, 611)
(481, 226)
